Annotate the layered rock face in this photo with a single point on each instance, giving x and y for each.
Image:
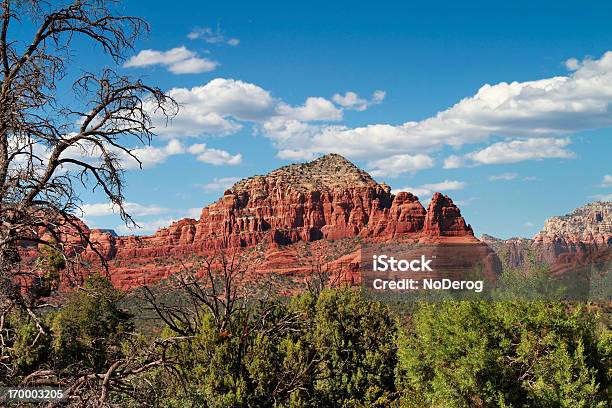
(579, 237)
(590, 225)
(328, 198)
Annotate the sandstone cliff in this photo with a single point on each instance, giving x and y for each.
(580, 237)
(326, 199)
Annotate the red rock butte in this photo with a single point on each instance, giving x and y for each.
(326, 199)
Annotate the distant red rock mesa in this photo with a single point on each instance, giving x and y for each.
(326, 199)
(582, 237)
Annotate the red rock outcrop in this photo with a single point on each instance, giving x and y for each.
(585, 229)
(566, 242)
(328, 198)
(444, 218)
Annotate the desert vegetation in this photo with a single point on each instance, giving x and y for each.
(207, 342)
(209, 339)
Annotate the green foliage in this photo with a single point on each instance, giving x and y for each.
(481, 354)
(52, 261)
(25, 352)
(87, 330)
(336, 349)
(533, 284)
(355, 341)
(226, 367)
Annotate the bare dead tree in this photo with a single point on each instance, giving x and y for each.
(322, 274)
(215, 284)
(222, 286)
(92, 389)
(51, 147)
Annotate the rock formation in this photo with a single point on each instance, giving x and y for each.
(576, 238)
(586, 227)
(328, 198)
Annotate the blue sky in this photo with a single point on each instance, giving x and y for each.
(393, 86)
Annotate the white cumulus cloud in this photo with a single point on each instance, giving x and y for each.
(151, 156)
(350, 100)
(222, 183)
(445, 185)
(545, 108)
(427, 190)
(402, 163)
(513, 151)
(215, 108)
(314, 109)
(222, 107)
(607, 180)
(179, 60)
(215, 157)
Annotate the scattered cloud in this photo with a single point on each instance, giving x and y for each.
(144, 227)
(215, 108)
(503, 176)
(177, 60)
(602, 197)
(211, 36)
(453, 162)
(531, 120)
(607, 181)
(549, 108)
(151, 156)
(222, 106)
(427, 190)
(530, 178)
(529, 224)
(350, 100)
(218, 184)
(134, 209)
(193, 65)
(215, 157)
(445, 185)
(572, 64)
(396, 165)
(512, 152)
(314, 109)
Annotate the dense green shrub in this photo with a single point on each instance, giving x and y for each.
(87, 330)
(336, 348)
(483, 354)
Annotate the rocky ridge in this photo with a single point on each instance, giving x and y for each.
(578, 237)
(590, 224)
(327, 199)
